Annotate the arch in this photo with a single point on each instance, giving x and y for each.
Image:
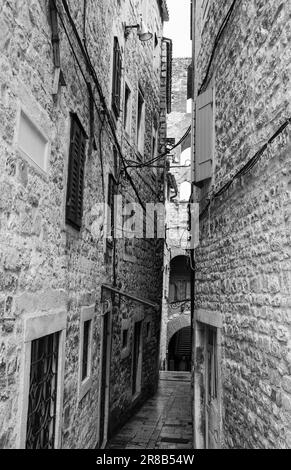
(177, 324)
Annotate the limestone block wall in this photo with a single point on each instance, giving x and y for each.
(243, 262)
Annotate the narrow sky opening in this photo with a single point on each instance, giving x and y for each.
(178, 28)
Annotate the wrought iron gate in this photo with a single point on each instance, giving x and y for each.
(41, 419)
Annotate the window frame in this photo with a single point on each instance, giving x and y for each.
(84, 385)
(127, 110)
(23, 113)
(110, 236)
(36, 327)
(116, 78)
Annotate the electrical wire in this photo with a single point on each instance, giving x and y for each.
(159, 157)
(98, 86)
(247, 167)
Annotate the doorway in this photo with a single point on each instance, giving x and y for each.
(137, 359)
(211, 380)
(105, 378)
(179, 351)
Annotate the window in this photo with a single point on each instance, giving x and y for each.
(157, 52)
(204, 144)
(190, 82)
(85, 362)
(212, 366)
(77, 159)
(116, 79)
(32, 143)
(112, 192)
(127, 109)
(124, 339)
(140, 122)
(85, 355)
(42, 381)
(41, 420)
(155, 136)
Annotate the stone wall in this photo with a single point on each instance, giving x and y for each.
(243, 267)
(47, 266)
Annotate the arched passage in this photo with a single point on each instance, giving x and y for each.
(179, 350)
(178, 323)
(180, 275)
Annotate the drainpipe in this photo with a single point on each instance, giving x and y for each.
(193, 313)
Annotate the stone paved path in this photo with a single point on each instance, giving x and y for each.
(164, 422)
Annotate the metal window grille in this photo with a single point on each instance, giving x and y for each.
(41, 421)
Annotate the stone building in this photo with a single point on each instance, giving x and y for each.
(84, 93)
(241, 173)
(176, 321)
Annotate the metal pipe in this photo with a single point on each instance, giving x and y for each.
(131, 297)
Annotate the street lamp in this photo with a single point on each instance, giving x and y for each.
(142, 32)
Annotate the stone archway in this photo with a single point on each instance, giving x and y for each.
(176, 324)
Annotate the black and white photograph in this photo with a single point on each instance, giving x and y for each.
(145, 228)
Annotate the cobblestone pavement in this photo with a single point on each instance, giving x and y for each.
(164, 422)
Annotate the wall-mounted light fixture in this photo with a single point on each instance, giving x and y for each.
(143, 34)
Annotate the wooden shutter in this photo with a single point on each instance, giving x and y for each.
(116, 81)
(204, 140)
(111, 205)
(77, 160)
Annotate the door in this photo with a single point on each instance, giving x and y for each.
(137, 359)
(212, 413)
(105, 378)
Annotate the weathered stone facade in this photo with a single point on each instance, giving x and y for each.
(47, 267)
(243, 268)
(176, 315)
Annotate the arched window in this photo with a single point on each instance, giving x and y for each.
(185, 191)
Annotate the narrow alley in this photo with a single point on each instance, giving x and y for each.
(164, 422)
(145, 225)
